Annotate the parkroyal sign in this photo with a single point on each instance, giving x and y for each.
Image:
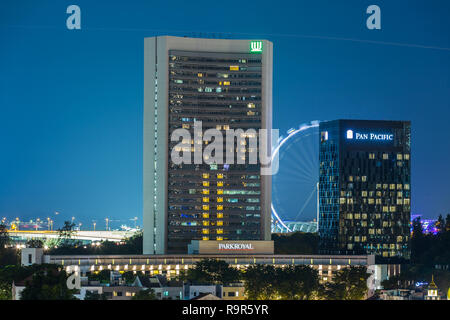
(369, 136)
(236, 246)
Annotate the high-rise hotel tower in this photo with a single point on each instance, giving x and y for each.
(365, 187)
(225, 84)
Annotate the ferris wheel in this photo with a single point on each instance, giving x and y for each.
(295, 185)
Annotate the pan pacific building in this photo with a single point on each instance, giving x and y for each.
(365, 187)
(224, 85)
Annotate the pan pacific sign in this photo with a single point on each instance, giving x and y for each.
(369, 136)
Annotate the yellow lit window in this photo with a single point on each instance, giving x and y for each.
(219, 215)
(219, 238)
(205, 199)
(226, 83)
(199, 75)
(205, 231)
(219, 231)
(205, 215)
(205, 207)
(219, 191)
(218, 127)
(205, 175)
(220, 176)
(234, 68)
(219, 183)
(206, 183)
(220, 223)
(206, 223)
(205, 238)
(251, 105)
(226, 127)
(186, 126)
(205, 191)
(220, 207)
(220, 199)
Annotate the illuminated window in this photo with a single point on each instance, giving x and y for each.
(226, 83)
(219, 191)
(205, 207)
(234, 68)
(206, 183)
(220, 207)
(220, 199)
(205, 215)
(205, 231)
(219, 183)
(219, 215)
(220, 176)
(205, 175)
(205, 199)
(220, 223)
(205, 238)
(199, 75)
(385, 156)
(219, 238)
(399, 156)
(219, 231)
(205, 191)
(205, 223)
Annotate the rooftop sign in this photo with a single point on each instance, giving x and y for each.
(256, 46)
(369, 136)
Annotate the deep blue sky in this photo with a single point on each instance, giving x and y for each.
(71, 101)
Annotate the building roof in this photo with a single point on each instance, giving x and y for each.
(206, 296)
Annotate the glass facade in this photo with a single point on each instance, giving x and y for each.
(365, 187)
(213, 201)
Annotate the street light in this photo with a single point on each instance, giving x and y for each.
(107, 220)
(94, 223)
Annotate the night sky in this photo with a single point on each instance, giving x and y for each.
(71, 101)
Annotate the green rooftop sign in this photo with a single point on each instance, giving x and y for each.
(256, 46)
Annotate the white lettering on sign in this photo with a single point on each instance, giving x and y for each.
(235, 246)
(369, 136)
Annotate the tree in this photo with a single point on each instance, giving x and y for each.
(48, 284)
(34, 243)
(128, 276)
(66, 232)
(440, 224)
(260, 282)
(297, 282)
(4, 236)
(349, 283)
(8, 256)
(147, 294)
(102, 276)
(212, 271)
